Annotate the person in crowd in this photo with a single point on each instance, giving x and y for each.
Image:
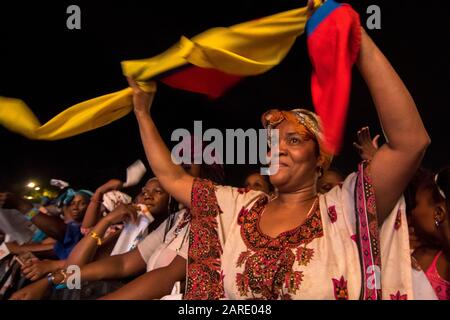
(255, 181)
(245, 245)
(431, 222)
(162, 254)
(156, 202)
(66, 233)
(328, 180)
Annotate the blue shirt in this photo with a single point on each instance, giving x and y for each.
(71, 238)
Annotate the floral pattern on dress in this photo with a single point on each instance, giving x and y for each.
(340, 289)
(304, 255)
(332, 214)
(268, 262)
(399, 296)
(204, 273)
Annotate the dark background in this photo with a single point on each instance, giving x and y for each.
(52, 68)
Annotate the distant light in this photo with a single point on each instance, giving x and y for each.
(37, 188)
(29, 198)
(31, 185)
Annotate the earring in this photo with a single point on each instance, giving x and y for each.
(437, 223)
(320, 172)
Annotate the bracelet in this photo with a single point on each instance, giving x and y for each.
(61, 286)
(64, 274)
(96, 237)
(32, 213)
(50, 278)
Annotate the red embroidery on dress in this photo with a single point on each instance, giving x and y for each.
(268, 262)
(354, 238)
(242, 257)
(304, 255)
(241, 215)
(332, 214)
(293, 281)
(242, 284)
(340, 289)
(399, 296)
(204, 274)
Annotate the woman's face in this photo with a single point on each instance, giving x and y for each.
(154, 197)
(298, 161)
(423, 214)
(256, 182)
(77, 208)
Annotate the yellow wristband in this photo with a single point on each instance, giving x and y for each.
(96, 237)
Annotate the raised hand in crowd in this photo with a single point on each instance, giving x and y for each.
(123, 213)
(92, 215)
(367, 147)
(113, 184)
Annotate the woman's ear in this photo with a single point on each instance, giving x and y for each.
(320, 161)
(319, 167)
(440, 213)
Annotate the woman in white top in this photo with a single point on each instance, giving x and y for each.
(350, 243)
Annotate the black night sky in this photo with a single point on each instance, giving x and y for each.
(52, 68)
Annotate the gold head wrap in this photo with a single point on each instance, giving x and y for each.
(307, 124)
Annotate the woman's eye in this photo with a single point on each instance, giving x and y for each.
(294, 140)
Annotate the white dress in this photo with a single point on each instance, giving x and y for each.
(337, 253)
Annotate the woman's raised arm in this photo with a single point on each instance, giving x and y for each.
(171, 176)
(407, 139)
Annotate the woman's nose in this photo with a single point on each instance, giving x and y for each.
(282, 147)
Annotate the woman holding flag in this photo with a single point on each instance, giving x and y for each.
(351, 243)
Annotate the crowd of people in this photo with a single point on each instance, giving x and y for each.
(306, 232)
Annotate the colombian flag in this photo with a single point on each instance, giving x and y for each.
(209, 63)
(216, 60)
